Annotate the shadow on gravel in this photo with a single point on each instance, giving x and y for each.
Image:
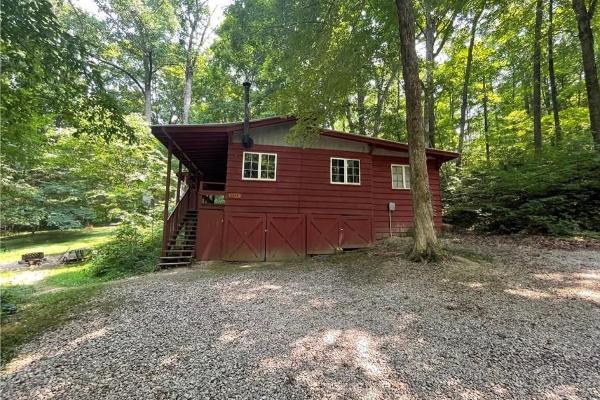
(360, 325)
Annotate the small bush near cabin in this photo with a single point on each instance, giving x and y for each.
(132, 251)
(556, 195)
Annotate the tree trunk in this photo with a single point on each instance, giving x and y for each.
(486, 126)
(537, 81)
(148, 88)
(425, 245)
(552, 75)
(586, 39)
(348, 111)
(465, 89)
(382, 93)
(429, 117)
(360, 108)
(190, 63)
(187, 91)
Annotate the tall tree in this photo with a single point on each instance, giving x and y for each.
(439, 24)
(143, 32)
(537, 79)
(425, 245)
(586, 38)
(48, 78)
(552, 74)
(486, 124)
(194, 22)
(465, 89)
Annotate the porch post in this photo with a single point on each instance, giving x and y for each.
(179, 182)
(167, 195)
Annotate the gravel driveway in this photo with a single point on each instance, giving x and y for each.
(508, 320)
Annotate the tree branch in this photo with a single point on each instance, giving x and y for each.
(123, 70)
(592, 9)
(446, 33)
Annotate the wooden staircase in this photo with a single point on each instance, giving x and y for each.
(181, 242)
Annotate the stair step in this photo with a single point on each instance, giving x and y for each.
(175, 257)
(174, 264)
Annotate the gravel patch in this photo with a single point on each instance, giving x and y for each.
(497, 321)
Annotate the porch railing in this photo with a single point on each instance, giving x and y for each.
(187, 202)
(210, 192)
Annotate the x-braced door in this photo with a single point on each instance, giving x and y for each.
(244, 237)
(286, 236)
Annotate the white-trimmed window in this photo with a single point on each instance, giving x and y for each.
(400, 176)
(259, 166)
(345, 171)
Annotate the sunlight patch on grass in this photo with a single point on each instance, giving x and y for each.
(52, 242)
(38, 312)
(43, 299)
(61, 276)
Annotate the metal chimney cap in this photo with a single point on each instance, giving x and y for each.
(246, 84)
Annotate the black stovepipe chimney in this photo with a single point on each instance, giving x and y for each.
(247, 141)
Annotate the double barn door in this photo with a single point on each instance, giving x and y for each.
(257, 237)
(326, 234)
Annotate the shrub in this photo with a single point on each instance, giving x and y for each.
(132, 251)
(557, 195)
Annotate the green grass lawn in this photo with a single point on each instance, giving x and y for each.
(34, 301)
(52, 242)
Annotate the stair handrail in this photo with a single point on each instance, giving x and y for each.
(187, 202)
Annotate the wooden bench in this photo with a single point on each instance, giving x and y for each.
(34, 258)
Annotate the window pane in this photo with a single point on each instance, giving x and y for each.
(337, 170)
(353, 171)
(406, 177)
(397, 177)
(251, 165)
(267, 166)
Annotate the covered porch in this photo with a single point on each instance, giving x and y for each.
(200, 153)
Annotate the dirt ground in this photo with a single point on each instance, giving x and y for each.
(502, 318)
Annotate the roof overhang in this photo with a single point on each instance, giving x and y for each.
(203, 147)
(387, 144)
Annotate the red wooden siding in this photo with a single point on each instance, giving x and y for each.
(302, 184)
(244, 237)
(355, 232)
(327, 233)
(302, 212)
(286, 236)
(322, 234)
(209, 234)
(402, 218)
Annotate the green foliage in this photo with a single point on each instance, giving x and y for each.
(47, 78)
(85, 180)
(557, 195)
(133, 251)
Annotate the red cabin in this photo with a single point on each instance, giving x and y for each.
(258, 197)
